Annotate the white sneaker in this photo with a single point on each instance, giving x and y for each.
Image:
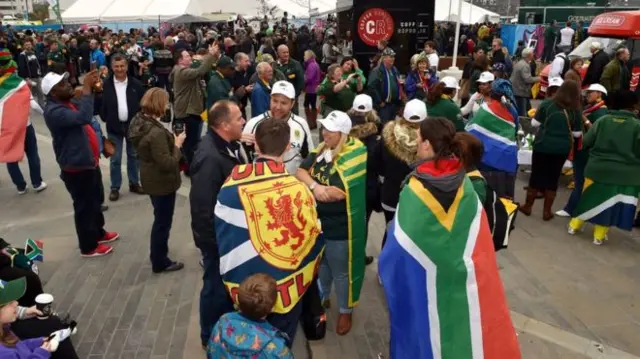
(598, 242)
(41, 187)
(23, 191)
(571, 231)
(562, 213)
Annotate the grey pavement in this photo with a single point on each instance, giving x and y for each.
(569, 299)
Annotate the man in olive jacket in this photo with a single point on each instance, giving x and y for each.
(188, 98)
(615, 75)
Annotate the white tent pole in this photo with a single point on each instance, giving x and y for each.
(456, 40)
(450, 6)
(471, 10)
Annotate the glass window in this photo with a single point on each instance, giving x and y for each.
(609, 45)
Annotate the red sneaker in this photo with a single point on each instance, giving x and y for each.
(109, 237)
(101, 250)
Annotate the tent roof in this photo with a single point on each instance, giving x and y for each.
(471, 14)
(188, 19)
(126, 10)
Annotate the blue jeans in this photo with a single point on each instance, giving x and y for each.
(335, 268)
(163, 209)
(576, 194)
(31, 150)
(116, 162)
(523, 104)
(387, 113)
(214, 299)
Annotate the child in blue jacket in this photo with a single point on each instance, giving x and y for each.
(247, 334)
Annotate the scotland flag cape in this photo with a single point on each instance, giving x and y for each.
(440, 276)
(14, 116)
(495, 126)
(266, 222)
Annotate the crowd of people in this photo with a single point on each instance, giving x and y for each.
(280, 220)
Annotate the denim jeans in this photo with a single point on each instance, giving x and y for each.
(193, 128)
(335, 268)
(214, 299)
(31, 150)
(387, 113)
(523, 104)
(163, 209)
(116, 162)
(576, 194)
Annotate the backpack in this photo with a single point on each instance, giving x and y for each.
(501, 214)
(566, 65)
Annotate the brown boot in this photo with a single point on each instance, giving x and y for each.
(549, 197)
(531, 197)
(344, 324)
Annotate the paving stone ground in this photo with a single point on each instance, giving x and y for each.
(564, 283)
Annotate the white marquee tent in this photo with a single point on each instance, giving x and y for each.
(88, 11)
(471, 14)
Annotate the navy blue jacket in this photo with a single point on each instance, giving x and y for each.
(68, 132)
(260, 99)
(109, 105)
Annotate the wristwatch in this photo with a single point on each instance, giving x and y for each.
(313, 186)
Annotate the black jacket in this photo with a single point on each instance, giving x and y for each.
(109, 105)
(211, 165)
(28, 65)
(596, 66)
(498, 57)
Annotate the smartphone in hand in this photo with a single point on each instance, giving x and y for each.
(178, 128)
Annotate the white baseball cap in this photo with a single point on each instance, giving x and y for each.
(362, 103)
(50, 80)
(486, 77)
(337, 121)
(284, 88)
(450, 82)
(597, 87)
(555, 82)
(415, 111)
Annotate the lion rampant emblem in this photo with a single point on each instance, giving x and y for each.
(282, 214)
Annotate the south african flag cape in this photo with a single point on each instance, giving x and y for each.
(266, 222)
(440, 276)
(351, 166)
(607, 204)
(495, 126)
(14, 116)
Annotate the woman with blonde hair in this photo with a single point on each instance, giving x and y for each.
(336, 173)
(336, 92)
(420, 78)
(159, 154)
(312, 78)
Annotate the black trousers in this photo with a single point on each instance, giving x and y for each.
(545, 171)
(35, 328)
(86, 193)
(34, 285)
(163, 208)
(193, 128)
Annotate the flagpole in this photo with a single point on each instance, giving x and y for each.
(456, 40)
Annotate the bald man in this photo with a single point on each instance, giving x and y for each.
(292, 70)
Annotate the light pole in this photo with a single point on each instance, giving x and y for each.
(456, 40)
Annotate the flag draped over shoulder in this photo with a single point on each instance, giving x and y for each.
(495, 126)
(266, 222)
(351, 166)
(14, 116)
(441, 280)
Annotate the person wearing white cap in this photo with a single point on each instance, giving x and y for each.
(599, 59)
(77, 152)
(395, 154)
(281, 104)
(484, 94)
(554, 85)
(440, 102)
(336, 173)
(365, 126)
(596, 108)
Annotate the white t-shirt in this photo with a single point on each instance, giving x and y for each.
(301, 140)
(433, 60)
(566, 35)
